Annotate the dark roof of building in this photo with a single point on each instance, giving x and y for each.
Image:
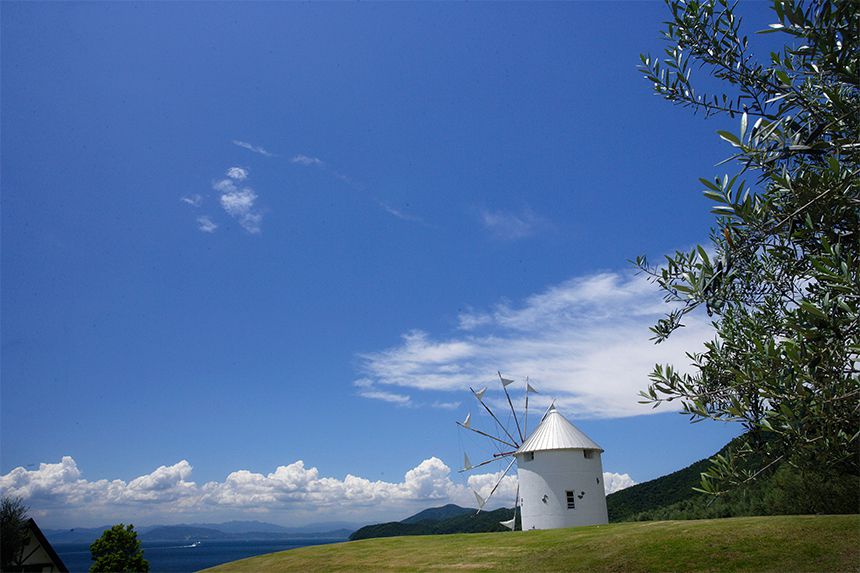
(43, 541)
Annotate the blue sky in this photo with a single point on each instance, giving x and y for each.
(236, 236)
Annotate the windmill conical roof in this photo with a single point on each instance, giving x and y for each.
(556, 433)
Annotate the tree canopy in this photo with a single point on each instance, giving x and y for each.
(118, 550)
(13, 531)
(780, 278)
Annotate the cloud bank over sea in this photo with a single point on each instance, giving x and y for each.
(60, 496)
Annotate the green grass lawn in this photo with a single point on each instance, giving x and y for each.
(785, 544)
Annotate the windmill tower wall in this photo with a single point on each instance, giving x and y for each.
(560, 476)
(547, 482)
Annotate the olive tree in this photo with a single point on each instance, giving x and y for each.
(780, 277)
(118, 550)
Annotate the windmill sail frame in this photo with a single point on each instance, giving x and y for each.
(513, 442)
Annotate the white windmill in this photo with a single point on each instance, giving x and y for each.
(559, 470)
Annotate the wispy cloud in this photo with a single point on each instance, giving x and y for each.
(205, 224)
(252, 147)
(59, 494)
(367, 389)
(311, 161)
(307, 161)
(348, 180)
(511, 226)
(239, 202)
(445, 405)
(194, 200)
(394, 398)
(584, 341)
(399, 213)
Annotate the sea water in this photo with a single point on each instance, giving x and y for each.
(184, 558)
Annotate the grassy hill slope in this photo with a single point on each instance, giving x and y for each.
(778, 544)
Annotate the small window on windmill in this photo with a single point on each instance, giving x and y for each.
(571, 499)
(588, 454)
(528, 456)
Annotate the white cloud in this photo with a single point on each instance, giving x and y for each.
(471, 320)
(225, 186)
(237, 173)
(239, 202)
(584, 342)
(167, 483)
(205, 224)
(194, 200)
(505, 494)
(60, 496)
(58, 493)
(55, 486)
(307, 161)
(511, 226)
(613, 482)
(254, 148)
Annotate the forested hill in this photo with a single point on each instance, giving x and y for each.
(464, 520)
(439, 513)
(658, 493)
(783, 490)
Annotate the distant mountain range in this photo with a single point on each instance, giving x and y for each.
(191, 533)
(245, 530)
(262, 526)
